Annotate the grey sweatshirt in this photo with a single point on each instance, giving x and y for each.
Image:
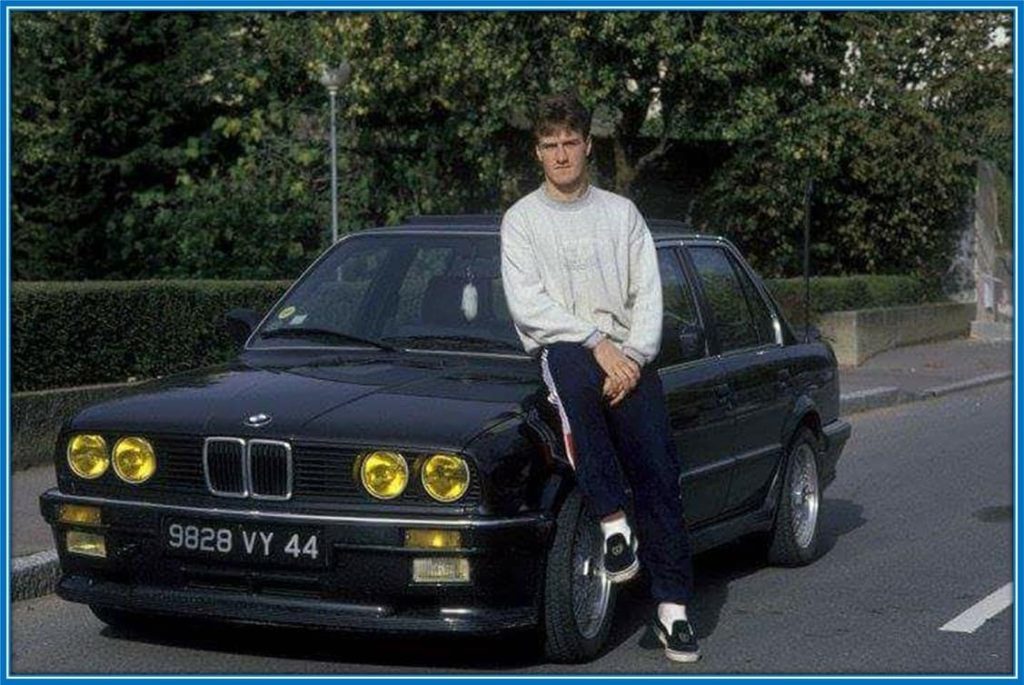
(575, 270)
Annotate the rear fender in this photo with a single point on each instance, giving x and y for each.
(805, 412)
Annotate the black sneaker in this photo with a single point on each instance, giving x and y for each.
(681, 643)
(620, 562)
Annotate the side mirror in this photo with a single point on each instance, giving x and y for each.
(691, 341)
(240, 324)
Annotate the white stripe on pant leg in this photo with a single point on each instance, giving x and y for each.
(553, 398)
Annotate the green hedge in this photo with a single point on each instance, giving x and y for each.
(71, 334)
(841, 293)
(78, 333)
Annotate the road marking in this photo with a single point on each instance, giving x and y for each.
(973, 618)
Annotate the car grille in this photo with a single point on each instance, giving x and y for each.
(270, 469)
(322, 475)
(224, 466)
(261, 469)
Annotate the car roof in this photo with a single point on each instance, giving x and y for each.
(661, 229)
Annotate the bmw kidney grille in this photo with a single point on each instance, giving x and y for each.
(260, 469)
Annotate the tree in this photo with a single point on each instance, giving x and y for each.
(195, 144)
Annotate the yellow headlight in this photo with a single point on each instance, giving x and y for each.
(384, 474)
(134, 460)
(445, 477)
(87, 456)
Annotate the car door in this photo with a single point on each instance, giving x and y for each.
(751, 362)
(699, 410)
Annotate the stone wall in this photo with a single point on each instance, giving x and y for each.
(860, 334)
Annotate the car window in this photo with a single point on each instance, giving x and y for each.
(733, 321)
(336, 299)
(678, 307)
(428, 263)
(424, 291)
(758, 307)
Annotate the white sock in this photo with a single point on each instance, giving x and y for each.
(619, 524)
(670, 613)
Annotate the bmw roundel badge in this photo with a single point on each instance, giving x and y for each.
(258, 420)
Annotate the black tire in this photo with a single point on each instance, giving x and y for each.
(794, 537)
(571, 634)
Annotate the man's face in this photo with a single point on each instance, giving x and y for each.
(563, 154)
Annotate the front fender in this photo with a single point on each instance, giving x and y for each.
(520, 466)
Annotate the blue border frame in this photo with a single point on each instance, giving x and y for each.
(6, 6)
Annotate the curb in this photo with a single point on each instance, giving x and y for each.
(872, 398)
(37, 574)
(34, 575)
(976, 382)
(877, 398)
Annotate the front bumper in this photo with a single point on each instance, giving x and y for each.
(365, 584)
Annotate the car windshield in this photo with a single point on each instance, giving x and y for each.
(405, 290)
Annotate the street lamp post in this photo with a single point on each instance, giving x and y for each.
(334, 80)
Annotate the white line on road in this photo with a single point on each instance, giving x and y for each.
(973, 618)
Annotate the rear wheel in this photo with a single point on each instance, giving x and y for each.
(795, 535)
(579, 600)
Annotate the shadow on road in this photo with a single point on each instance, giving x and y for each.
(714, 571)
(517, 650)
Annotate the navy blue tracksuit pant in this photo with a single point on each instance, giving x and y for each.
(636, 435)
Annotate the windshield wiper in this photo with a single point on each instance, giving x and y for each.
(473, 340)
(300, 331)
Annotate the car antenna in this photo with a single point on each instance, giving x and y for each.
(807, 259)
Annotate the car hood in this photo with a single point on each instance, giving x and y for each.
(405, 400)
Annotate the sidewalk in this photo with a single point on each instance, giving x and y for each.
(903, 375)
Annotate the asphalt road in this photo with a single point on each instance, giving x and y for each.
(917, 528)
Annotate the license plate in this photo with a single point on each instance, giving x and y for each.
(245, 543)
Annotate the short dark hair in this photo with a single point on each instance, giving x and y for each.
(562, 110)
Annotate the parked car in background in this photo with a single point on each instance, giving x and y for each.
(381, 456)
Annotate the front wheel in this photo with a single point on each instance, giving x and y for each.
(795, 535)
(579, 600)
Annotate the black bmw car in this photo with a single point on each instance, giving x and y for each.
(382, 456)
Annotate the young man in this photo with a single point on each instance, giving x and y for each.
(581, 279)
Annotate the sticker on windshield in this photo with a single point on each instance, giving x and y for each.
(298, 319)
(286, 312)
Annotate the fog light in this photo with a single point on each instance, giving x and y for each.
(86, 544)
(425, 538)
(440, 570)
(77, 513)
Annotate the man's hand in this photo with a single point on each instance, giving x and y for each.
(615, 364)
(615, 392)
(622, 373)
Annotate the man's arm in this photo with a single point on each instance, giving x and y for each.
(644, 293)
(535, 312)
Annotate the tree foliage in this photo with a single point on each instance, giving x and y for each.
(177, 144)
